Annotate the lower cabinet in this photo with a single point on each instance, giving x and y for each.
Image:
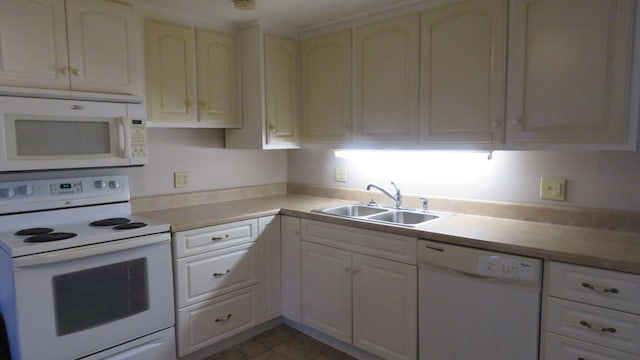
(227, 280)
(363, 300)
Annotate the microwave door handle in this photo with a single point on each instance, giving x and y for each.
(123, 138)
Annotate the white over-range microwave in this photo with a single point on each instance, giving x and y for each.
(40, 134)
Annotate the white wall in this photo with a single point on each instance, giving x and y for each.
(200, 152)
(609, 180)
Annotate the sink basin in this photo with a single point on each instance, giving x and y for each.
(392, 216)
(404, 217)
(353, 210)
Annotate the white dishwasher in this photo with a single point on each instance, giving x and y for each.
(476, 304)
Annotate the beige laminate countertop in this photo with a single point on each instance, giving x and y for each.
(579, 245)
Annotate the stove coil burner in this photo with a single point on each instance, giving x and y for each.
(131, 225)
(54, 236)
(111, 222)
(34, 231)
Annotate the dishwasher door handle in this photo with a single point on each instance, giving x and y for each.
(457, 272)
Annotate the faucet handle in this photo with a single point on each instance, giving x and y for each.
(425, 204)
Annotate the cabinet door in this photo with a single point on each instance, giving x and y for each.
(326, 290)
(291, 293)
(385, 309)
(33, 44)
(326, 84)
(281, 87)
(217, 79)
(269, 277)
(463, 72)
(102, 46)
(569, 73)
(170, 72)
(386, 81)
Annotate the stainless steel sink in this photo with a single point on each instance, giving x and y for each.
(404, 217)
(389, 215)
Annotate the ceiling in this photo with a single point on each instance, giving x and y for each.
(286, 13)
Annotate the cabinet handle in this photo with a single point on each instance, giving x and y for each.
(518, 121)
(597, 328)
(75, 72)
(224, 318)
(272, 127)
(221, 274)
(203, 104)
(600, 289)
(76, 107)
(64, 71)
(189, 104)
(217, 238)
(496, 123)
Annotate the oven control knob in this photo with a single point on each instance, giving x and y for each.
(114, 184)
(25, 190)
(7, 193)
(100, 184)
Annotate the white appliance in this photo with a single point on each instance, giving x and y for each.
(39, 134)
(475, 304)
(80, 276)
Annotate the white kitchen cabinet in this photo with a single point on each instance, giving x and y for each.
(270, 93)
(386, 82)
(463, 68)
(192, 77)
(269, 277)
(326, 89)
(364, 300)
(291, 268)
(591, 313)
(82, 45)
(569, 71)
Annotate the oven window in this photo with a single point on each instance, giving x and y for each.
(97, 296)
(55, 138)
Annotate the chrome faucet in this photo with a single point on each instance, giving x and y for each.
(397, 198)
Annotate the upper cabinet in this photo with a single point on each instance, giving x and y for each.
(270, 93)
(570, 71)
(326, 88)
(386, 81)
(192, 76)
(85, 45)
(463, 72)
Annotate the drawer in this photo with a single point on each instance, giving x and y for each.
(559, 347)
(210, 274)
(197, 241)
(614, 329)
(375, 243)
(611, 289)
(206, 323)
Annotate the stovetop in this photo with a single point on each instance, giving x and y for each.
(68, 207)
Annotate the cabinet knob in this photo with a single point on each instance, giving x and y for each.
(189, 104)
(75, 72)
(496, 123)
(203, 104)
(64, 71)
(272, 127)
(518, 121)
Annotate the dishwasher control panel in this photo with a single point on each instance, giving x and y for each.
(497, 266)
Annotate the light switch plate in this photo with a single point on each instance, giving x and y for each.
(552, 188)
(340, 174)
(180, 179)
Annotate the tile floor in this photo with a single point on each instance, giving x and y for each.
(281, 343)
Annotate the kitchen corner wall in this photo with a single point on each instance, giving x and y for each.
(606, 180)
(200, 152)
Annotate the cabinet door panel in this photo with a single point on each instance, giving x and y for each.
(33, 44)
(570, 71)
(170, 72)
(291, 293)
(102, 46)
(281, 90)
(463, 72)
(386, 87)
(385, 307)
(326, 290)
(326, 82)
(269, 277)
(217, 78)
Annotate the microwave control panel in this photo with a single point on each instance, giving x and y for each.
(138, 138)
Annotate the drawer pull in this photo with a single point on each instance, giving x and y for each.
(225, 318)
(598, 328)
(216, 238)
(221, 274)
(599, 288)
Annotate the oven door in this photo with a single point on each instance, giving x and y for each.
(76, 302)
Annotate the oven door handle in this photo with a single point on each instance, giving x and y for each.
(88, 251)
